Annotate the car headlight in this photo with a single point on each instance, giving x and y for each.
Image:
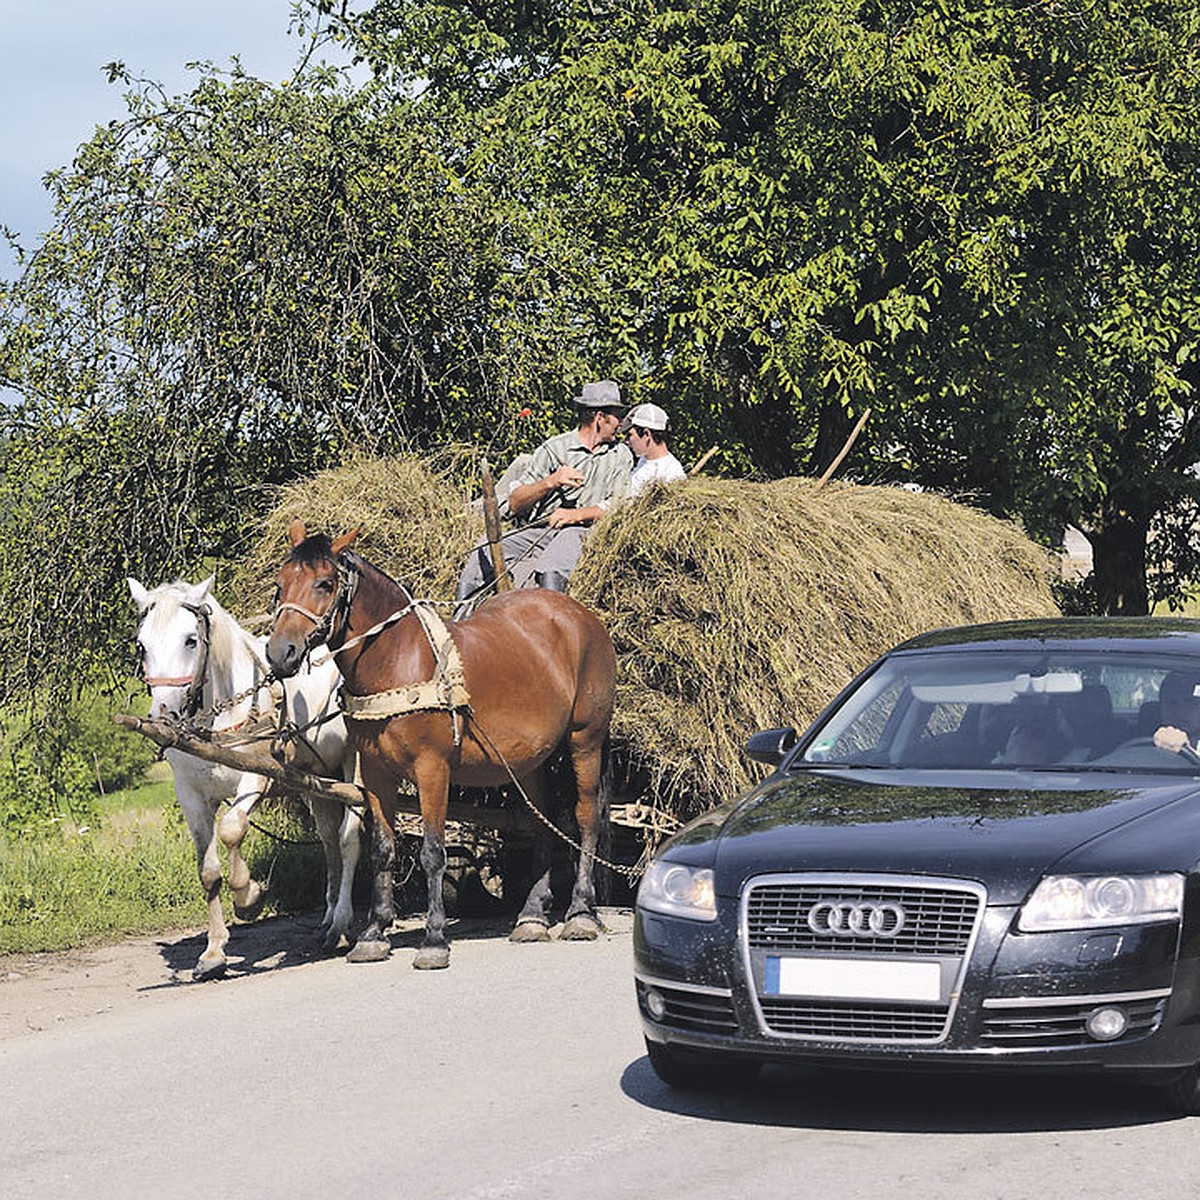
(678, 891)
(1086, 901)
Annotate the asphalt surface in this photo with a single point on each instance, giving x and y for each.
(519, 1072)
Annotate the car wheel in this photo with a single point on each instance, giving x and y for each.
(1181, 1094)
(695, 1070)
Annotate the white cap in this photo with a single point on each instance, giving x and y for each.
(646, 416)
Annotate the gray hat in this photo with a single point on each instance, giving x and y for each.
(604, 394)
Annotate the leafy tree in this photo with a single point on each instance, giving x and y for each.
(980, 219)
(242, 284)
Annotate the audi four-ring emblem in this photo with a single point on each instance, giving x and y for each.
(858, 920)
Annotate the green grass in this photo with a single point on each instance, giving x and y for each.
(134, 872)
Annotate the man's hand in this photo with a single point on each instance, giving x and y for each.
(1167, 737)
(566, 476)
(562, 516)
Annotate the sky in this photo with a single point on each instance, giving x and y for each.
(54, 89)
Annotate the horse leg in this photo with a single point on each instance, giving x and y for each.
(200, 817)
(582, 923)
(533, 921)
(372, 944)
(338, 828)
(433, 786)
(249, 895)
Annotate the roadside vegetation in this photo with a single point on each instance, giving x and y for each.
(83, 863)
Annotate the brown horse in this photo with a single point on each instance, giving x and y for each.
(529, 672)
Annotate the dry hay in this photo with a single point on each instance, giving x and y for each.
(734, 606)
(416, 523)
(739, 606)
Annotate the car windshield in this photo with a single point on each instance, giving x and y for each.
(973, 709)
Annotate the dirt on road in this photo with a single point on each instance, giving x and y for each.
(42, 991)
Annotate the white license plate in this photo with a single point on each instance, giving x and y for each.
(853, 979)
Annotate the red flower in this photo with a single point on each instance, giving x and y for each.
(525, 412)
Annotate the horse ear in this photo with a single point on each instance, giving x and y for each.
(345, 541)
(297, 533)
(141, 597)
(197, 593)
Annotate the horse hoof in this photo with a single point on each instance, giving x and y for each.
(332, 941)
(581, 928)
(529, 931)
(432, 958)
(253, 910)
(369, 951)
(208, 969)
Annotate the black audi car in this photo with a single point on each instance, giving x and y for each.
(984, 854)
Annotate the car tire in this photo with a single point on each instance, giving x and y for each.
(694, 1070)
(1180, 1094)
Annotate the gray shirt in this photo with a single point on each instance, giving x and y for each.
(605, 471)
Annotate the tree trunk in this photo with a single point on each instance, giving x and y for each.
(1119, 565)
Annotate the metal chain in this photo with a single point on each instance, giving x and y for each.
(620, 868)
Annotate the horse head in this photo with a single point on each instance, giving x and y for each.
(173, 641)
(313, 595)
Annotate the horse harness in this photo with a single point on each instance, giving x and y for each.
(445, 692)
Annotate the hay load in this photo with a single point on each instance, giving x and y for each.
(739, 606)
(733, 606)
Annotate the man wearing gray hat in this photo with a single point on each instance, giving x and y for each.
(572, 479)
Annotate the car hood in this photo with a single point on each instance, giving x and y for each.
(1005, 837)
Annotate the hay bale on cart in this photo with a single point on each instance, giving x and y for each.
(733, 605)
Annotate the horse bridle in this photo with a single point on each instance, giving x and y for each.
(331, 626)
(195, 681)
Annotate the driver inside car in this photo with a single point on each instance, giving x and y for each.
(1179, 712)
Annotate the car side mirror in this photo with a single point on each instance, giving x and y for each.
(771, 746)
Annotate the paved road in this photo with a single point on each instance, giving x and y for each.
(518, 1073)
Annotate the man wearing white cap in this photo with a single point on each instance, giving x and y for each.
(647, 428)
(572, 479)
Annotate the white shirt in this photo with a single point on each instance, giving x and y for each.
(655, 470)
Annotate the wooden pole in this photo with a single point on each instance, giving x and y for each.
(294, 779)
(491, 521)
(837, 462)
(703, 459)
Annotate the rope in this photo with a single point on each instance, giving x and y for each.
(629, 872)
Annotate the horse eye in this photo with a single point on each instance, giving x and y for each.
(325, 585)
(191, 641)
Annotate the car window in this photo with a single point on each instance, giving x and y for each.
(1009, 708)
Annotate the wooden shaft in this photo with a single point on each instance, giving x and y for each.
(837, 462)
(491, 521)
(294, 779)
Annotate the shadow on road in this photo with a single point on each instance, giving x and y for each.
(893, 1102)
(275, 943)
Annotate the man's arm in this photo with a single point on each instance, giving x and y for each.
(574, 516)
(526, 496)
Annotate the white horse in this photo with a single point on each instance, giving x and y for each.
(201, 664)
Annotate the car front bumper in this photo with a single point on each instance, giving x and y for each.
(1010, 999)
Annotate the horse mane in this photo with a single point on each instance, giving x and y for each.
(361, 564)
(316, 548)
